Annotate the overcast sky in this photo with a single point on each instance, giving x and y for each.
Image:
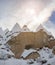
(29, 12)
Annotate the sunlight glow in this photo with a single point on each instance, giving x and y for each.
(30, 11)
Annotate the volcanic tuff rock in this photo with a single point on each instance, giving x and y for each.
(26, 40)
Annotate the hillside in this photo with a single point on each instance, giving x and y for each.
(26, 40)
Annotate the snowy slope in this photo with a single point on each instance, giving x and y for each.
(16, 28)
(2, 36)
(5, 52)
(1, 32)
(14, 32)
(44, 53)
(6, 31)
(27, 52)
(13, 61)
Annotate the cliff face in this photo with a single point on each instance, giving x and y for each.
(51, 43)
(28, 40)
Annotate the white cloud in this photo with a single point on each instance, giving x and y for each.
(16, 12)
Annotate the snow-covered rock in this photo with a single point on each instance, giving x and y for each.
(41, 27)
(14, 32)
(6, 31)
(16, 28)
(27, 52)
(2, 46)
(45, 53)
(1, 32)
(38, 61)
(25, 29)
(5, 52)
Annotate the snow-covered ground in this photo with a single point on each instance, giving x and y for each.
(46, 57)
(13, 61)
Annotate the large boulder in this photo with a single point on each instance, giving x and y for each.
(28, 39)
